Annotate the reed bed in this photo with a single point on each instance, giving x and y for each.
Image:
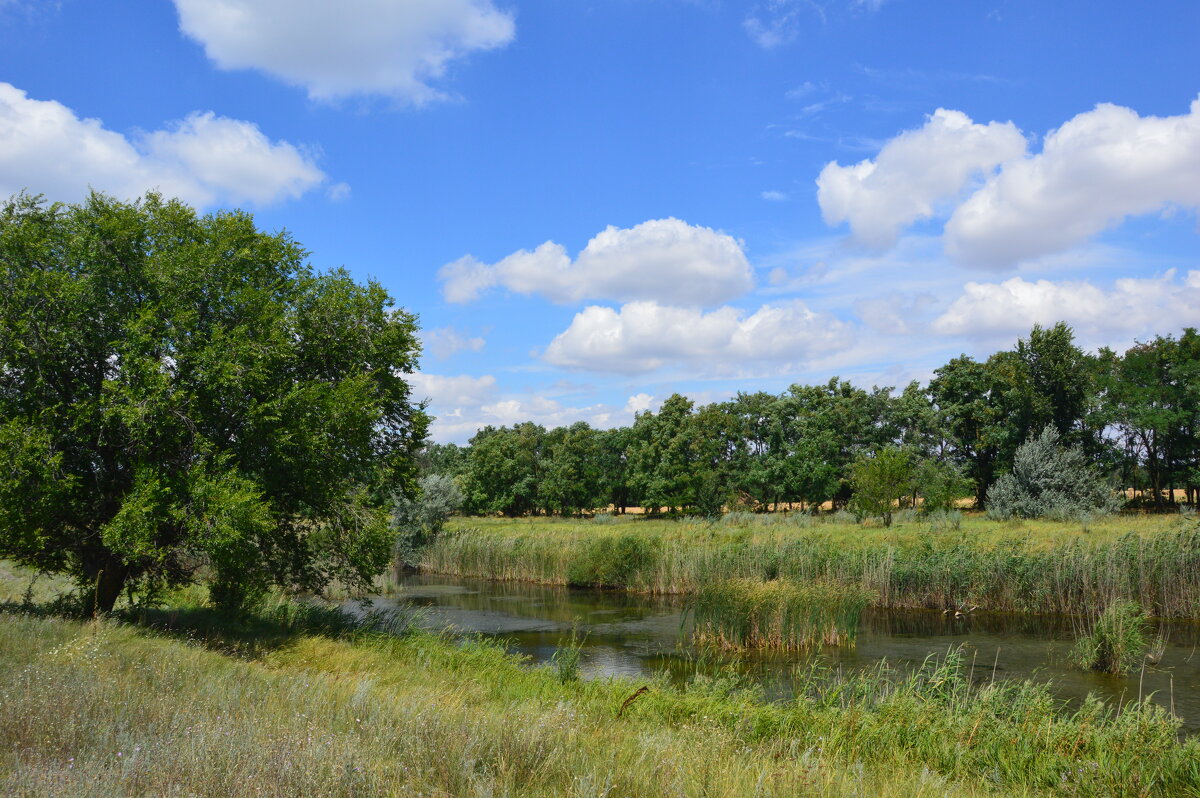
(779, 614)
(1046, 568)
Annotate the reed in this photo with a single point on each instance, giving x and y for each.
(1117, 641)
(1040, 567)
(777, 614)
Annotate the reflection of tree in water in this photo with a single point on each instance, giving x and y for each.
(543, 602)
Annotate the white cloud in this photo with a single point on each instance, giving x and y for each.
(775, 196)
(645, 336)
(204, 159)
(913, 173)
(348, 47)
(1132, 306)
(1098, 168)
(447, 341)
(663, 259)
(445, 391)
(640, 403)
(462, 404)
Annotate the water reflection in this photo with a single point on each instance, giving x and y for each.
(631, 635)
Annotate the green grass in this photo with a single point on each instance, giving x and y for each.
(778, 614)
(1015, 566)
(300, 701)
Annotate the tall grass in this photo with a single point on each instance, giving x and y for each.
(1015, 567)
(1117, 641)
(779, 614)
(105, 708)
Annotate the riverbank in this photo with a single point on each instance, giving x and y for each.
(1030, 567)
(299, 700)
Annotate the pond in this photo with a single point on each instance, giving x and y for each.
(635, 635)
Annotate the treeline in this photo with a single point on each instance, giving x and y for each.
(1135, 416)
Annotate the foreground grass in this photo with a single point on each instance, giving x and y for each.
(1030, 566)
(105, 708)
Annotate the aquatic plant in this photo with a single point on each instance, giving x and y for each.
(1117, 641)
(777, 614)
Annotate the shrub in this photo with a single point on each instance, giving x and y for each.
(417, 522)
(1051, 481)
(610, 561)
(604, 519)
(1117, 641)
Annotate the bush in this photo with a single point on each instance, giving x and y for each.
(417, 522)
(604, 519)
(1117, 641)
(1050, 481)
(610, 561)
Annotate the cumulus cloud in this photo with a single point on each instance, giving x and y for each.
(204, 159)
(462, 404)
(447, 341)
(350, 47)
(447, 391)
(912, 174)
(1131, 306)
(645, 336)
(663, 259)
(1097, 169)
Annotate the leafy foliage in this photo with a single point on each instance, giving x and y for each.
(880, 481)
(182, 393)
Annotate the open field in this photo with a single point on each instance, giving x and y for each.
(1021, 566)
(298, 701)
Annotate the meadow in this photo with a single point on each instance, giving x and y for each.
(944, 562)
(299, 699)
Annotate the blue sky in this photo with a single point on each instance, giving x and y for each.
(592, 204)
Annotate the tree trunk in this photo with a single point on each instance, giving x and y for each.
(107, 577)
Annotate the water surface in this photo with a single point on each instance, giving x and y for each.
(634, 635)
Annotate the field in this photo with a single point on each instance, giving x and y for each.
(299, 700)
(1018, 566)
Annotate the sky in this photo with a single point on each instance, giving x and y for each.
(592, 204)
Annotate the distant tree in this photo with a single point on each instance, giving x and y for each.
(182, 393)
(442, 458)
(1050, 480)
(572, 479)
(662, 455)
(880, 481)
(503, 469)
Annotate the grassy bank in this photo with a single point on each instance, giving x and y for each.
(299, 702)
(1042, 566)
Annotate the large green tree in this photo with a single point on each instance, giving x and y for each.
(183, 395)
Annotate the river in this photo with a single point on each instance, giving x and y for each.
(635, 635)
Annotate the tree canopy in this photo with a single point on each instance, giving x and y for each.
(182, 394)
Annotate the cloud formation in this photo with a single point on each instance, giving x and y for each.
(203, 159)
(913, 173)
(663, 260)
(445, 342)
(1132, 306)
(1005, 205)
(463, 404)
(646, 336)
(1097, 169)
(349, 47)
